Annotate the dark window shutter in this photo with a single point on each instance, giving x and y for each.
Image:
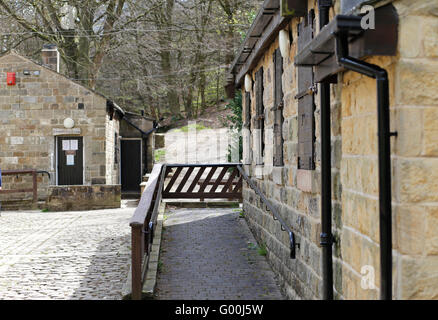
(247, 122)
(278, 109)
(306, 104)
(260, 110)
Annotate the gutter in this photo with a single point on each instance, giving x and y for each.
(143, 133)
(384, 134)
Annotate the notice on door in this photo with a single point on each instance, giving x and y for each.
(74, 145)
(69, 145)
(70, 160)
(65, 145)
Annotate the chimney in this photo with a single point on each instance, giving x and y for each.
(50, 55)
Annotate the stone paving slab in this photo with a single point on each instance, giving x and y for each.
(210, 254)
(64, 255)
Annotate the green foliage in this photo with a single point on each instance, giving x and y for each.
(234, 122)
(262, 250)
(159, 155)
(160, 266)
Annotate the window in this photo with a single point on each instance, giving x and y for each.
(259, 123)
(306, 104)
(278, 109)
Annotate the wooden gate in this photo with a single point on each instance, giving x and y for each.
(202, 181)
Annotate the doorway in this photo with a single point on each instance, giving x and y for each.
(70, 160)
(131, 176)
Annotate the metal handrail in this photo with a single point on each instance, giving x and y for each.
(34, 188)
(275, 214)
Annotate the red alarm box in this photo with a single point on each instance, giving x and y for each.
(10, 78)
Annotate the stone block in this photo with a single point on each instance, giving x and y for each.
(417, 82)
(410, 43)
(430, 133)
(409, 141)
(410, 229)
(430, 35)
(416, 180)
(418, 278)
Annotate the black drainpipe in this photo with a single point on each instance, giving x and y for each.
(326, 240)
(384, 136)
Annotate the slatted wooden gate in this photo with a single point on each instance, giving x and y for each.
(186, 181)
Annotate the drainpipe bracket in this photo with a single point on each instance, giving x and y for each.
(325, 3)
(326, 239)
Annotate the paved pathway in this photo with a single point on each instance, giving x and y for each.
(64, 255)
(210, 254)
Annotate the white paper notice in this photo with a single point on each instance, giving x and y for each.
(70, 160)
(74, 145)
(65, 145)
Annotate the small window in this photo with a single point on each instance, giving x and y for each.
(278, 109)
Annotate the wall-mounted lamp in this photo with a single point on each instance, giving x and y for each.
(284, 43)
(69, 123)
(248, 83)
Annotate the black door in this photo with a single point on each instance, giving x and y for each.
(70, 161)
(131, 165)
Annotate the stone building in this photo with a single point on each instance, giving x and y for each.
(51, 123)
(353, 176)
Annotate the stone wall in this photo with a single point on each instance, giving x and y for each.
(78, 198)
(32, 114)
(298, 206)
(414, 115)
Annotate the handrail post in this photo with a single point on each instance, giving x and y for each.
(137, 247)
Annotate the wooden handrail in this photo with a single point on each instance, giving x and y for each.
(146, 199)
(142, 225)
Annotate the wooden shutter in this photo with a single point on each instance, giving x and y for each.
(306, 104)
(278, 109)
(260, 116)
(247, 122)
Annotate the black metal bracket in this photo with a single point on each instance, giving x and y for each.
(325, 3)
(326, 239)
(152, 230)
(293, 245)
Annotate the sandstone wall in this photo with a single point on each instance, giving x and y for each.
(414, 153)
(77, 198)
(32, 114)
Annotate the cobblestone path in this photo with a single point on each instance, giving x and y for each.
(64, 255)
(210, 254)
